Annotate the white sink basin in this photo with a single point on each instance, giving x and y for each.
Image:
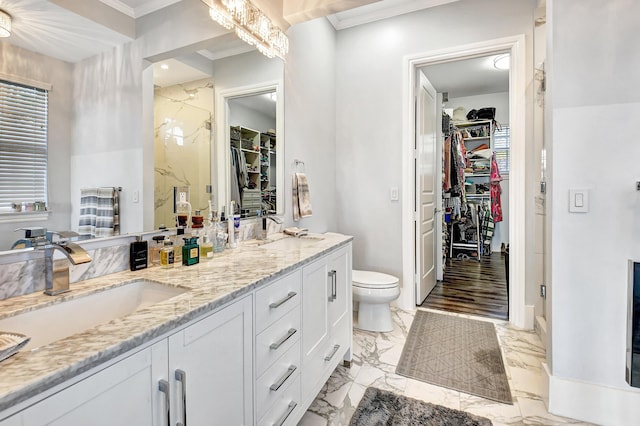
(55, 322)
(292, 243)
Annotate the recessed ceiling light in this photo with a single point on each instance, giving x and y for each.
(164, 66)
(502, 62)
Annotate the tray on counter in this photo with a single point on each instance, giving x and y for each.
(11, 343)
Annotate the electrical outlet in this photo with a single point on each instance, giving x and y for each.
(183, 197)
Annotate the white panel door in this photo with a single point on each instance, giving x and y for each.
(425, 170)
(210, 367)
(125, 393)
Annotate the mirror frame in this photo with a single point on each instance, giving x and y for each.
(223, 135)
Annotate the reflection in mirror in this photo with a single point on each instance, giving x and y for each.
(182, 142)
(253, 142)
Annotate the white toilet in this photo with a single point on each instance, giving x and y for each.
(374, 291)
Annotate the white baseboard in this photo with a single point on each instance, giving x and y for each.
(590, 402)
(529, 316)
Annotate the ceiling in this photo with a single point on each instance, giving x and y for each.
(44, 27)
(469, 77)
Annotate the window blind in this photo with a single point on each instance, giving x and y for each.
(23, 144)
(501, 145)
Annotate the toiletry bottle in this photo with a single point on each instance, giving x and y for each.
(154, 251)
(196, 220)
(166, 254)
(178, 242)
(231, 226)
(138, 253)
(190, 251)
(236, 228)
(206, 248)
(219, 235)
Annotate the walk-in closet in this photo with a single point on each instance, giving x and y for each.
(473, 139)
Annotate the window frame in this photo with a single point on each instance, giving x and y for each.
(7, 214)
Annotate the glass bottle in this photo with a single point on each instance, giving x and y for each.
(167, 254)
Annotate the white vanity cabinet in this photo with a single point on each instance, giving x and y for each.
(259, 360)
(326, 319)
(124, 393)
(203, 372)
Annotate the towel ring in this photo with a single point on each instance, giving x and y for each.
(298, 163)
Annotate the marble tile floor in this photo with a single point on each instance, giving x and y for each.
(374, 363)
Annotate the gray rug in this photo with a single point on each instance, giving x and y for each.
(456, 353)
(383, 408)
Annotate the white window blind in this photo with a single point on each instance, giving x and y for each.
(23, 144)
(501, 144)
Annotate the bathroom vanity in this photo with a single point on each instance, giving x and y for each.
(250, 339)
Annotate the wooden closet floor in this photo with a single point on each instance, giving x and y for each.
(472, 287)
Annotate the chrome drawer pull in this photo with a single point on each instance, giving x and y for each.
(283, 300)
(334, 290)
(292, 406)
(333, 352)
(280, 382)
(279, 343)
(181, 376)
(163, 386)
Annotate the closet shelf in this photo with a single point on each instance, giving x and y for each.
(477, 138)
(477, 174)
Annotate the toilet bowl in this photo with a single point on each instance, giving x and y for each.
(374, 291)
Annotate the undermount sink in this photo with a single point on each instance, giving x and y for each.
(292, 243)
(55, 322)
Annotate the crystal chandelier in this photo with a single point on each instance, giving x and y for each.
(250, 24)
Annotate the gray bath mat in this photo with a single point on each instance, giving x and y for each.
(456, 353)
(383, 408)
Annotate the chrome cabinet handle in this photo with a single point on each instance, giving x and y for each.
(280, 342)
(277, 304)
(334, 290)
(181, 376)
(292, 406)
(281, 380)
(333, 352)
(163, 386)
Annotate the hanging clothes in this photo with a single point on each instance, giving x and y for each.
(496, 191)
(446, 158)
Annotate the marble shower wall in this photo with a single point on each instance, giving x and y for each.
(182, 120)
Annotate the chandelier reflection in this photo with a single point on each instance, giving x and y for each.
(250, 24)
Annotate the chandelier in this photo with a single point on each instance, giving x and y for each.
(251, 25)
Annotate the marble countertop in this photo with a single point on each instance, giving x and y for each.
(209, 284)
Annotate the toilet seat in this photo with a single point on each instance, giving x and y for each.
(373, 280)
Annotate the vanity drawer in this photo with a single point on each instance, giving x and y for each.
(277, 299)
(275, 381)
(273, 342)
(285, 411)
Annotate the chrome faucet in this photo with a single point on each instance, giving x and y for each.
(56, 277)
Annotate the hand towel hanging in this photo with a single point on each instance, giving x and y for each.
(301, 197)
(98, 216)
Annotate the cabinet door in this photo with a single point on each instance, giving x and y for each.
(339, 275)
(315, 322)
(125, 393)
(210, 364)
(15, 420)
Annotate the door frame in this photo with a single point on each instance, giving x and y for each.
(515, 45)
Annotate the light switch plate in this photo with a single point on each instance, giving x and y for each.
(578, 200)
(394, 193)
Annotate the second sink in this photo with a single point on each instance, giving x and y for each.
(55, 322)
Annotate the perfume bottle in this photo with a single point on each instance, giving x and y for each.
(190, 251)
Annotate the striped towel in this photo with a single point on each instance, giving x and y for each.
(98, 212)
(301, 198)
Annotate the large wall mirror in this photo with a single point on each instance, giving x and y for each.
(116, 126)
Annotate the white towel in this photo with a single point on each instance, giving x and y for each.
(301, 197)
(98, 217)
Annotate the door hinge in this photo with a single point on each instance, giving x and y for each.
(543, 291)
